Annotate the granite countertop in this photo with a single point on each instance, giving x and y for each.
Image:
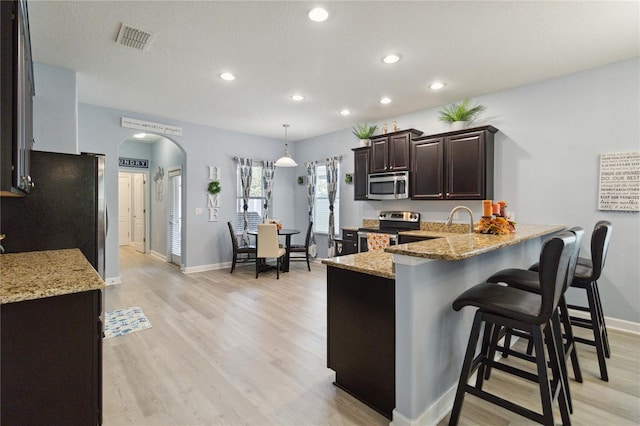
(443, 246)
(40, 274)
(464, 246)
(376, 263)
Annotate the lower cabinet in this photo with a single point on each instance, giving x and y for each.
(348, 244)
(51, 368)
(361, 336)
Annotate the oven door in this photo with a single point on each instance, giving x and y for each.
(388, 186)
(362, 240)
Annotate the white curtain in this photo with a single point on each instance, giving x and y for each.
(332, 189)
(311, 199)
(244, 164)
(268, 172)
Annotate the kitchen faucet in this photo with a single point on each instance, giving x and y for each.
(455, 209)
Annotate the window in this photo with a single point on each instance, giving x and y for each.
(321, 208)
(256, 199)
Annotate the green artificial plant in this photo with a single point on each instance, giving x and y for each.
(460, 112)
(364, 130)
(214, 187)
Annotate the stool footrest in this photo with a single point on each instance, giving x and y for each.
(525, 412)
(579, 308)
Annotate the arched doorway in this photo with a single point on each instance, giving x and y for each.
(147, 184)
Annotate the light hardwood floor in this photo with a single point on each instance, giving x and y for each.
(229, 349)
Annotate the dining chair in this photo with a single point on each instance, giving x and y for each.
(302, 251)
(240, 249)
(268, 247)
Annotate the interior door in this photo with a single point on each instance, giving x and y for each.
(124, 209)
(139, 212)
(175, 216)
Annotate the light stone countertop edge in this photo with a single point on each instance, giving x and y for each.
(40, 274)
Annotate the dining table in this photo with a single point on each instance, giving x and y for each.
(287, 233)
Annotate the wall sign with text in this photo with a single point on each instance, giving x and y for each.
(138, 163)
(619, 182)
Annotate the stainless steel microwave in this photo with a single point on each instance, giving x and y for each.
(388, 186)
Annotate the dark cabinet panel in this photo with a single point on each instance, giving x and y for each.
(360, 172)
(16, 100)
(391, 152)
(453, 166)
(52, 360)
(427, 165)
(361, 336)
(467, 167)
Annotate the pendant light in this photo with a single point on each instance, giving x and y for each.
(286, 160)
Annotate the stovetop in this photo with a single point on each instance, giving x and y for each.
(395, 221)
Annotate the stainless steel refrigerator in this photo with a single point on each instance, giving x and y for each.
(65, 209)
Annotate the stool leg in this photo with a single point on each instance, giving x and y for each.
(543, 378)
(596, 325)
(507, 343)
(466, 369)
(495, 337)
(571, 344)
(607, 351)
(484, 352)
(558, 377)
(562, 360)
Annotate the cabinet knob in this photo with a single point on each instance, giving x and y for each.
(28, 182)
(448, 194)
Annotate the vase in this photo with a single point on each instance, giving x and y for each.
(458, 125)
(364, 142)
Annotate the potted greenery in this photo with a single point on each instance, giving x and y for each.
(214, 187)
(363, 132)
(460, 115)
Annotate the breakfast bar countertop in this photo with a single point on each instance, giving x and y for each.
(464, 246)
(40, 274)
(441, 246)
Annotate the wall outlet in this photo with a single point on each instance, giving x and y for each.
(198, 210)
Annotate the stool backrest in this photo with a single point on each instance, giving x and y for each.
(554, 263)
(599, 246)
(573, 260)
(268, 241)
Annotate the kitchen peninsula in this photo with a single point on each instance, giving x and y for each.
(392, 337)
(51, 338)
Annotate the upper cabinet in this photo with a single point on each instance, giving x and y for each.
(453, 166)
(360, 172)
(391, 152)
(16, 98)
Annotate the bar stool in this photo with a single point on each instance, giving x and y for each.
(586, 277)
(528, 280)
(504, 306)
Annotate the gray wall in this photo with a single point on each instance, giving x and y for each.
(55, 109)
(546, 164)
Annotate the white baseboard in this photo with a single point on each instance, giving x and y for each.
(612, 323)
(432, 414)
(113, 281)
(204, 268)
(158, 256)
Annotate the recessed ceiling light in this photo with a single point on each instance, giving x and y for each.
(436, 85)
(345, 112)
(297, 97)
(391, 59)
(227, 76)
(139, 135)
(385, 101)
(318, 14)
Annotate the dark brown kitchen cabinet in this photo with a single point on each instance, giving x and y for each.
(51, 366)
(427, 166)
(391, 152)
(360, 172)
(465, 160)
(348, 244)
(16, 99)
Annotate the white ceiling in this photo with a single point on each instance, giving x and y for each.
(275, 51)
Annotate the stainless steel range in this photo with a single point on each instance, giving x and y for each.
(391, 222)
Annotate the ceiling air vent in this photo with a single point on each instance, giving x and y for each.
(134, 37)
